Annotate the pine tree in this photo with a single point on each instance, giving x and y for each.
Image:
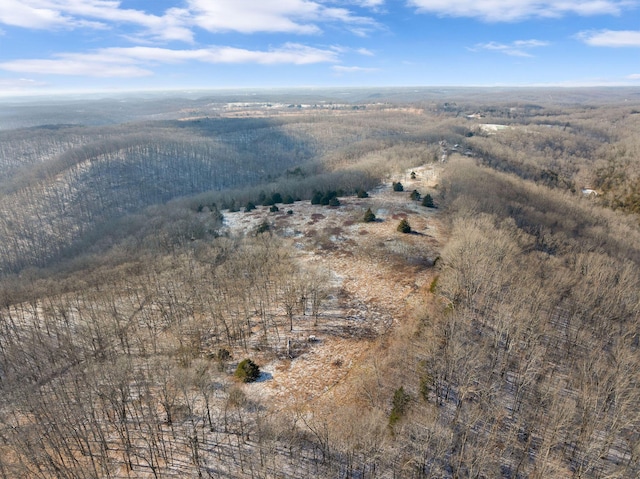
(369, 216)
(247, 371)
(428, 201)
(400, 402)
(404, 226)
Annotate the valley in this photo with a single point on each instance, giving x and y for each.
(424, 296)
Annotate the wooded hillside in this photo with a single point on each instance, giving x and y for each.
(147, 268)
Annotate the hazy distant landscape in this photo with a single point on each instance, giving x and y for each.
(434, 283)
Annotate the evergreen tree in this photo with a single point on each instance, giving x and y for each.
(369, 216)
(327, 197)
(400, 402)
(428, 201)
(397, 186)
(415, 196)
(404, 226)
(247, 371)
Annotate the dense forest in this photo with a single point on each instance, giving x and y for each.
(220, 287)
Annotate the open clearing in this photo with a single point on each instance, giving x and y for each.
(370, 291)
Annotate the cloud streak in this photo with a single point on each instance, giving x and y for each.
(611, 38)
(353, 69)
(517, 10)
(517, 48)
(136, 61)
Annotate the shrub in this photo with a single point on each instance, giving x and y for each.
(362, 194)
(276, 198)
(433, 286)
(316, 198)
(249, 207)
(334, 201)
(397, 186)
(428, 201)
(413, 175)
(274, 209)
(223, 355)
(404, 226)
(415, 196)
(247, 371)
(327, 197)
(369, 216)
(288, 200)
(263, 228)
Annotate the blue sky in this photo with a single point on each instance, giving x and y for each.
(51, 46)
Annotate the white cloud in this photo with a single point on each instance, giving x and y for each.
(635, 76)
(18, 84)
(137, 61)
(29, 14)
(244, 16)
(514, 10)
(80, 65)
(71, 14)
(248, 16)
(292, 53)
(365, 51)
(530, 43)
(359, 51)
(345, 69)
(611, 38)
(292, 16)
(370, 3)
(515, 49)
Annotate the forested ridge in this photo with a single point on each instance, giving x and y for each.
(148, 267)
